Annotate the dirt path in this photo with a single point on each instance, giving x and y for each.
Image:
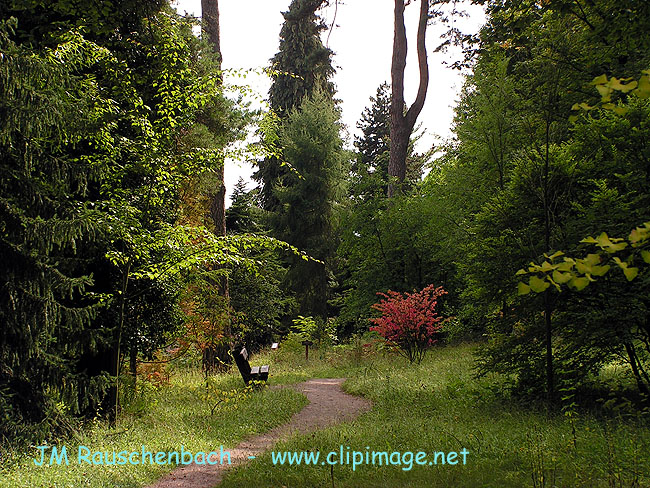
(328, 404)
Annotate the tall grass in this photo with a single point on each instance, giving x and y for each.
(175, 416)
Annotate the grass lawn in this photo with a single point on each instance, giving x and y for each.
(437, 406)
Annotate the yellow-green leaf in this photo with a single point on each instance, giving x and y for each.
(566, 265)
(582, 266)
(617, 85)
(610, 245)
(579, 283)
(523, 288)
(630, 273)
(561, 277)
(599, 80)
(538, 285)
(600, 270)
(643, 90)
(546, 267)
(640, 234)
(603, 90)
(646, 256)
(628, 87)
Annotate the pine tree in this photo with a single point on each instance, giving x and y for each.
(370, 169)
(243, 215)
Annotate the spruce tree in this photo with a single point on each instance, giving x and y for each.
(301, 66)
(43, 220)
(370, 169)
(312, 145)
(301, 202)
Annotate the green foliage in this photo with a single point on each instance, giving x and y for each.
(312, 144)
(578, 273)
(45, 219)
(302, 65)
(383, 245)
(105, 125)
(300, 180)
(518, 181)
(608, 87)
(301, 68)
(257, 294)
(323, 333)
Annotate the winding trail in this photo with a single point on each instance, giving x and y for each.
(328, 405)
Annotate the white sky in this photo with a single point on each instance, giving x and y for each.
(362, 42)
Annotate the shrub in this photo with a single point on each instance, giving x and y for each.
(318, 330)
(410, 322)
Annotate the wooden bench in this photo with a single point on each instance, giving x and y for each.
(256, 373)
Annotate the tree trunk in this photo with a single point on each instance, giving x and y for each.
(214, 356)
(402, 121)
(210, 24)
(634, 364)
(218, 206)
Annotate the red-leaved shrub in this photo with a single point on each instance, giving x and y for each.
(410, 322)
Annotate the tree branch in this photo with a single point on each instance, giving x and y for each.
(416, 108)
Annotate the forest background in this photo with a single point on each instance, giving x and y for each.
(532, 216)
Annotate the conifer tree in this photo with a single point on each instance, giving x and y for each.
(42, 223)
(302, 66)
(312, 145)
(301, 202)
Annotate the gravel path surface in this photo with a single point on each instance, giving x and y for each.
(328, 405)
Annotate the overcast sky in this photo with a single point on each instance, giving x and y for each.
(361, 39)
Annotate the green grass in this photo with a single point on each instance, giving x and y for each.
(435, 406)
(177, 415)
(440, 406)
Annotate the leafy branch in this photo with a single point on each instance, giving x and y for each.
(577, 273)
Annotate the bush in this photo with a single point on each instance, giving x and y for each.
(317, 330)
(410, 322)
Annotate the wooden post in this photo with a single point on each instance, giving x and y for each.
(307, 344)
